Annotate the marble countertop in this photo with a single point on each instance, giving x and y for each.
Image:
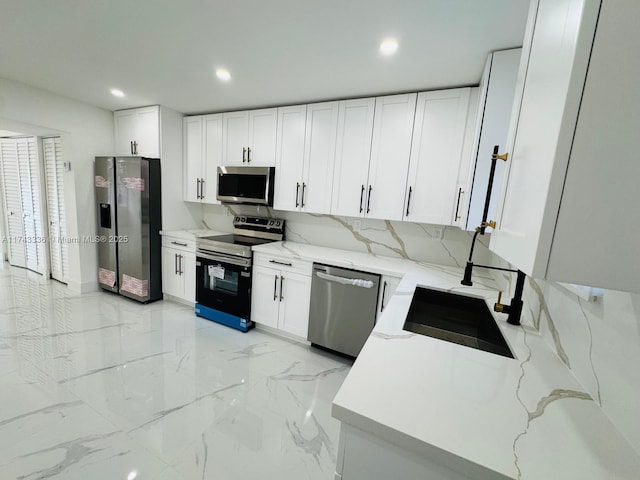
(482, 414)
(190, 234)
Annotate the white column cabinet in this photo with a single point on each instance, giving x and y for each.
(202, 155)
(281, 294)
(497, 90)
(436, 150)
(137, 132)
(249, 137)
(305, 155)
(179, 269)
(569, 210)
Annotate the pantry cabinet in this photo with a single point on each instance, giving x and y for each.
(281, 294)
(305, 153)
(137, 132)
(201, 157)
(569, 209)
(249, 137)
(432, 189)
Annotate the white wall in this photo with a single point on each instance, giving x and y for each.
(87, 131)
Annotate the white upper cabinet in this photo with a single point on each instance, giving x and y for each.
(249, 137)
(436, 150)
(138, 132)
(372, 156)
(289, 157)
(497, 90)
(319, 157)
(305, 157)
(570, 206)
(391, 144)
(353, 150)
(202, 156)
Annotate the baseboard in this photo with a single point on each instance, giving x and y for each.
(282, 334)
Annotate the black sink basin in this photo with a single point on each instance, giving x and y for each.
(455, 318)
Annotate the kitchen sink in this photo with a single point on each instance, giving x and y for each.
(455, 318)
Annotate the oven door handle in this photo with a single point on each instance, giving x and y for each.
(222, 258)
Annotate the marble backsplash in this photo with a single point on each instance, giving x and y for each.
(413, 241)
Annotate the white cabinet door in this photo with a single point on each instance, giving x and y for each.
(188, 274)
(172, 283)
(148, 132)
(319, 157)
(392, 129)
(125, 130)
(497, 91)
(212, 125)
(387, 289)
(353, 149)
(295, 297)
(192, 158)
(289, 157)
(264, 296)
(261, 148)
(137, 132)
(235, 138)
(435, 156)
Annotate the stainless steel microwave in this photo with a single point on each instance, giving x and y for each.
(246, 185)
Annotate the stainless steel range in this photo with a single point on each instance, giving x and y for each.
(223, 270)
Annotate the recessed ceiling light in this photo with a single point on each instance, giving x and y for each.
(117, 93)
(223, 74)
(388, 46)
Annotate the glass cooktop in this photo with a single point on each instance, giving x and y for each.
(238, 239)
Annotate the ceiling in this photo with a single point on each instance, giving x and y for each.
(278, 51)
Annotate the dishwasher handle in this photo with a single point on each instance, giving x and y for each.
(356, 282)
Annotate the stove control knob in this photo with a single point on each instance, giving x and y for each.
(270, 223)
(243, 219)
(237, 219)
(278, 223)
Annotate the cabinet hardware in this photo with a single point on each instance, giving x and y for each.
(460, 192)
(175, 263)
(248, 154)
(297, 192)
(369, 199)
(180, 272)
(179, 243)
(280, 263)
(304, 186)
(275, 286)
(281, 280)
(504, 156)
(384, 289)
(202, 188)
(244, 153)
(361, 196)
(198, 189)
(131, 146)
(408, 202)
(135, 147)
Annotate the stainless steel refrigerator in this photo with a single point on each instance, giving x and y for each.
(129, 222)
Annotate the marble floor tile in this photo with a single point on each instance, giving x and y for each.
(98, 386)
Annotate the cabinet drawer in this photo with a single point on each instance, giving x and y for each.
(284, 264)
(178, 243)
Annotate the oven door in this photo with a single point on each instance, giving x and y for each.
(223, 282)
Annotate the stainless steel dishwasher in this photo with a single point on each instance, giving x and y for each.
(343, 308)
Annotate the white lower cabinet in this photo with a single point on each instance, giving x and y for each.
(388, 285)
(281, 294)
(179, 270)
